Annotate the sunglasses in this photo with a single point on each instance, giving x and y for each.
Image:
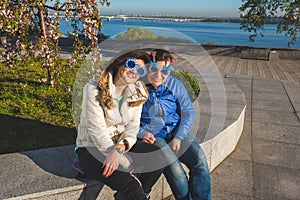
(154, 68)
(131, 64)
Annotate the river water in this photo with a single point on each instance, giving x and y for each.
(201, 32)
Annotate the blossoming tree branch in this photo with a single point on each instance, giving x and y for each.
(29, 30)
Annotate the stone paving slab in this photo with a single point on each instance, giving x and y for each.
(267, 85)
(271, 182)
(248, 113)
(293, 92)
(270, 96)
(235, 176)
(281, 106)
(244, 152)
(224, 195)
(290, 85)
(296, 107)
(274, 117)
(276, 133)
(276, 154)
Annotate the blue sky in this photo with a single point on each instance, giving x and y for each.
(199, 8)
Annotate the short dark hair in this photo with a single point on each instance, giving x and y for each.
(161, 55)
(120, 61)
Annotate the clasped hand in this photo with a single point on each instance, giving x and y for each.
(150, 139)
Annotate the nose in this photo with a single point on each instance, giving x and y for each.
(158, 72)
(133, 70)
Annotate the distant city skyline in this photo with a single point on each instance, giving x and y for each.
(196, 8)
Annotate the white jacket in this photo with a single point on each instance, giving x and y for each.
(102, 127)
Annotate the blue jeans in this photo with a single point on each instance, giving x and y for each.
(197, 187)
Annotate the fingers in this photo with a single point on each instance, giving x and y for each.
(149, 138)
(153, 139)
(176, 145)
(146, 141)
(108, 171)
(111, 163)
(174, 148)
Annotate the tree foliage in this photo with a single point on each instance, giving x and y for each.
(143, 34)
(134, 34)
(29, 30)
(256, 13)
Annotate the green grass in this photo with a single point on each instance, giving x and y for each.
(23, 96)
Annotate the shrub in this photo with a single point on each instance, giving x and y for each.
(190, 83)
(136, 34)
(139, 34)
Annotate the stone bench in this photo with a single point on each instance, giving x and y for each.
(47, 173)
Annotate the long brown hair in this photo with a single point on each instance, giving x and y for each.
(103, 83)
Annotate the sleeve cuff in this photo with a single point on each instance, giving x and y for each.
(126, 143)
(178, 138)
(141, 134)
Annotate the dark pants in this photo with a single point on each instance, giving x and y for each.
(121, 180)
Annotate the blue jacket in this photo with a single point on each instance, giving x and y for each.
(168, 112)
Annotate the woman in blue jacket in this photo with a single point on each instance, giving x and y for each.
(166, 120)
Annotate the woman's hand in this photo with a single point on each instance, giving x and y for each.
(111, 163)
(149, 138)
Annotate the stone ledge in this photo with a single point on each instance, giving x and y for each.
(47, 173)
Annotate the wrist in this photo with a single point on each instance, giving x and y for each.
(177, 138)
(121, 146)
(119, 149)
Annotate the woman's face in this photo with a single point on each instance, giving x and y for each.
(157, 78)
(130, 75)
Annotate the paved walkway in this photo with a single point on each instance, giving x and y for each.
(266, 162)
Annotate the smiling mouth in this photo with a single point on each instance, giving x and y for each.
(155, 80)
(131, 75)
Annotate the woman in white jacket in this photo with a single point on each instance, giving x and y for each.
(109, 123)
